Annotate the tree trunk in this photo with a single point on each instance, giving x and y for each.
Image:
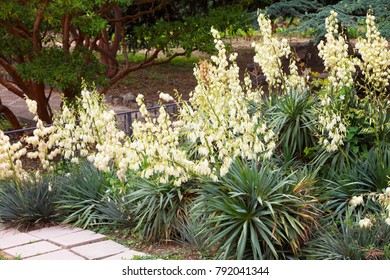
(37, 93)
(10, 116)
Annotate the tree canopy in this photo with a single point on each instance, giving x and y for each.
(312, 13)
(57, 44)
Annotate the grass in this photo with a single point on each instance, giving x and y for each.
(177, 74)
(177, 61)
(5, 257)
(4, 124)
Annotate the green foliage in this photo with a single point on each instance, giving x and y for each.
(161, 209)
(291, 115)
(293, 8)
(168, 35)
(257, 212)
(364, 175)
(59, 69)
(195, 233)
(350, 14)
(345, 240)
(4, 124)
(30, 201)
(86, 199)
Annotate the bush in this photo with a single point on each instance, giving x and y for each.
(257, 212)
(345, 240)
(86, 199)
(292, 116)
(29, 202)
(161, 209)
(364, 175)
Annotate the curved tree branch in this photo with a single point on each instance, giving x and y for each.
(151, 61)
(11, 87)
(37, 24)
(10, 116)
(15, 76)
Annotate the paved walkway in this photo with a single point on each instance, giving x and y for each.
(62, 243)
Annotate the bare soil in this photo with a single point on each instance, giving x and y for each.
(178, 77)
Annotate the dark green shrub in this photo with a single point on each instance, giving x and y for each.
(257, 212)
(350, 13)
(364, 175)
(161, 209)
(29, 202)
(87, 199)
(292, 116)
(345, 240)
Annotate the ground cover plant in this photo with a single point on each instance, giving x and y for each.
(240, 172)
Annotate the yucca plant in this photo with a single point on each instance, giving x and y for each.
(195, 234)
(86, 199)
(161, 209)
(29, 202)
(257, 212)
(344, 239)
(291, 115)
(364, 175)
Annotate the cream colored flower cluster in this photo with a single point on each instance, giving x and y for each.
(269, 52)
(384, 200)
(94, 125)
(333, 130)
(340, 67)
(10, 155)
(156, 146)
(334, 53)
(218, 119)
(215, 122)
(36, 146)
(41, 144)
(375, 63)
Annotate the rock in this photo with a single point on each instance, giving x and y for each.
(116, 101)
(108, 98)
(128, 98)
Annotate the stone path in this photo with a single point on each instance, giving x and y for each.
(62, 243)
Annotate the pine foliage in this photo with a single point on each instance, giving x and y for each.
(350, 14)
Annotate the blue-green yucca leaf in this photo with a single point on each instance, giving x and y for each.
(85, 198)
(29, 201)
(255, 211)
(161, 209)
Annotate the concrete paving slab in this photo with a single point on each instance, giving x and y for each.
(52, 232)
(127, 255)
(77, 238)
(99, 250)
(33, 249)
(17, 240)
(57, 255)
(8, 231)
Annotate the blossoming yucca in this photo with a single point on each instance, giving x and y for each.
(155, 147)
(94, 125)
(334, 53)
(340, 67)
(217, 115)
(216, 123)
(375, 63)
(382, 198)
(10, 154)
(269, 52)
